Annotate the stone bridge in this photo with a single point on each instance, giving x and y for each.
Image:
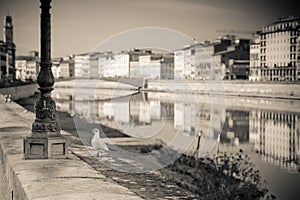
(138, 82)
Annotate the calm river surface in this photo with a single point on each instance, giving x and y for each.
(268, 130)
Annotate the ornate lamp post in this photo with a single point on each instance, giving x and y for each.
(45, 140)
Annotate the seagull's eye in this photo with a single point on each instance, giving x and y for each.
(95, 130)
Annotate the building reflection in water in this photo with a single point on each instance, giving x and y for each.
(236, 127)
(274, 134)
(276, 137)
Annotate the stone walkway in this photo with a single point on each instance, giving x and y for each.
(148, 185)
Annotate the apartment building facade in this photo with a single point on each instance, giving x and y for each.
(279, 50)
(254, 67)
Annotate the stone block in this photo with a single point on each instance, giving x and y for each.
(45, 148)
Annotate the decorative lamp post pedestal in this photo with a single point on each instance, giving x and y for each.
(45, 141)
(45, 148)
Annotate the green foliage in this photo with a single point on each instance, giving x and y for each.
(223, 176)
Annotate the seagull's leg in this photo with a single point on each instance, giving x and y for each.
(99, 154)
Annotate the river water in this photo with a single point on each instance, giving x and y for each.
(268, 130)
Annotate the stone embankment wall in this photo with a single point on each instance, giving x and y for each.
(230, 88)
(21, 91)
(5, 190)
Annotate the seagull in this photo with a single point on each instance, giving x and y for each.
(98, 143)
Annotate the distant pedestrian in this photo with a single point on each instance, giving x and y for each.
(199, 138)
(198, 144)
(7, 98)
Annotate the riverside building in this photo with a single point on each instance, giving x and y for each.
(153, 66)
(254, 67)
(280, 51)
(27, 67)
(227, 57)
(63, 68)
(82, 65)
(7, 52)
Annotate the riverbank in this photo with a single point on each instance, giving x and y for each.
(229, 88)
(279, 90)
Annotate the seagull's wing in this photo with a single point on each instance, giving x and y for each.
(94, 141)
(103, 145)
(98, 143)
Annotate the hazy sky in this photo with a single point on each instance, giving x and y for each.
(78, 26)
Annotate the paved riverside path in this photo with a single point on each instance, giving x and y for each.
(46, 179)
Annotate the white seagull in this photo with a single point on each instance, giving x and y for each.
(98, 143)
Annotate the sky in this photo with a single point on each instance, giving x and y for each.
(78, 26)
